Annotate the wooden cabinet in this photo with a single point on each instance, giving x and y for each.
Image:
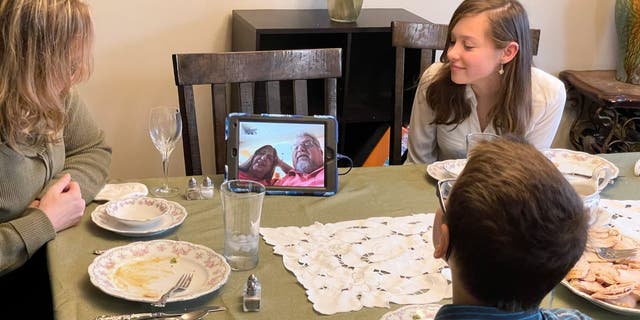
(607, 111)
(365, 90)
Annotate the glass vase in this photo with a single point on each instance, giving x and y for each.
(627, 19)
(344, 10)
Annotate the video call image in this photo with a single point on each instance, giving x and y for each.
(282, 154)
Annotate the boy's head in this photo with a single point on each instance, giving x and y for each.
(514, 225)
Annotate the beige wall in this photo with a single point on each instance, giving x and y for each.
(135, 40)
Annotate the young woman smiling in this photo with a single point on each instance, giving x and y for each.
(484, 82)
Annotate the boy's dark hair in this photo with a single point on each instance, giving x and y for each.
(516, 225)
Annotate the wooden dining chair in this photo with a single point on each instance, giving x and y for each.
(274, 81)
(427, 38)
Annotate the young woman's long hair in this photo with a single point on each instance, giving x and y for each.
(45, 47)
(508, 22)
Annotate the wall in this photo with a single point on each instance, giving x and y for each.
(135, 40)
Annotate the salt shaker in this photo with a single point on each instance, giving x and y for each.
(192, 192)
(206, 189)
(252, 293)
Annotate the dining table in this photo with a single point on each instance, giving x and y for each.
(364, 192)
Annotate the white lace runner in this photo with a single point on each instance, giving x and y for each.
(624, 215)
(348, 265)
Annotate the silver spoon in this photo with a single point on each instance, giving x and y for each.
(193, 315)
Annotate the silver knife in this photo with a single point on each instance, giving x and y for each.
(153, 315)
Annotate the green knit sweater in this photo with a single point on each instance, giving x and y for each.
(83, 153)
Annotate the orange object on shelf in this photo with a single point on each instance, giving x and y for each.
(380, 153)
(379, 156)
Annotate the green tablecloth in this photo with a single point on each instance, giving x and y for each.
(363, 193)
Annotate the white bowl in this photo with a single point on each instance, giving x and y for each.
(137, 211)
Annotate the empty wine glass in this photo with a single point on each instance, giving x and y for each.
(165, 129)
(474, 138)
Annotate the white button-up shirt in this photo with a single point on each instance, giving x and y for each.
(428, 142)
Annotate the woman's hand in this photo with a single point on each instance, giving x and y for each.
(284, 166)
(63, 203)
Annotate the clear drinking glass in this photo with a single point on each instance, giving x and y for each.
(474, 138)
(165, 129)
(242, 209)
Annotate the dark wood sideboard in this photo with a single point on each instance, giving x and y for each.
(365, 90)
(608, 111)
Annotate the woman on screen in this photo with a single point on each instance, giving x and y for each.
(261, 165)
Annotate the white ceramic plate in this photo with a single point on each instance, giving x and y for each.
(570, 161)
(144, 270)
(567, 161)
(114, 191)
(137, 212)
(454, 167)
(605, 305)
(440, 170)
(413, 312)
(174, 218)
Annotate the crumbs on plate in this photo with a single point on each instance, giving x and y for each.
(138, 276)
(418, 315)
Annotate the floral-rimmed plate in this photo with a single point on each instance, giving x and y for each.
(413, 312)
(446, 169)
(172, 219)
(618, 217)
(578, 162)
(605, 305)
(567, 161)
(114, 191)
(454, 167)
(144, 270)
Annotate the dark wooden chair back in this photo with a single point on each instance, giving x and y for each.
(258, 78)
(427, 37)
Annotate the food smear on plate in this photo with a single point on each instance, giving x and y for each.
(614, 282)
(140, 276)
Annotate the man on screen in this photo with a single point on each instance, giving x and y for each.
(308, 164)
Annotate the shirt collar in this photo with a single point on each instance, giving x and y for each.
(467, 312)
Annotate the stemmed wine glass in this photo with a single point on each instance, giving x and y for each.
(165, 129)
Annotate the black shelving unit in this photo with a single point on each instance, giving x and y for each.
(365, 90)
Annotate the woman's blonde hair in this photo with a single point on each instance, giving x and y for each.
(45, 47)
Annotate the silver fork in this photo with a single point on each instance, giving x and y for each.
(182, 284)
(616, 254)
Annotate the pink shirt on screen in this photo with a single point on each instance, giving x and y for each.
(299, 179)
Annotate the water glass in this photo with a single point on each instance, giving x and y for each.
(241, 208)
(473, 139)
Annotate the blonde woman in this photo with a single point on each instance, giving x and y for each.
(53, 156)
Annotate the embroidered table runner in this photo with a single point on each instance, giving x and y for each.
(348, 265)
(622, 214)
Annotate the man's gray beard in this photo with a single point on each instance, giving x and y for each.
(304, 165)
